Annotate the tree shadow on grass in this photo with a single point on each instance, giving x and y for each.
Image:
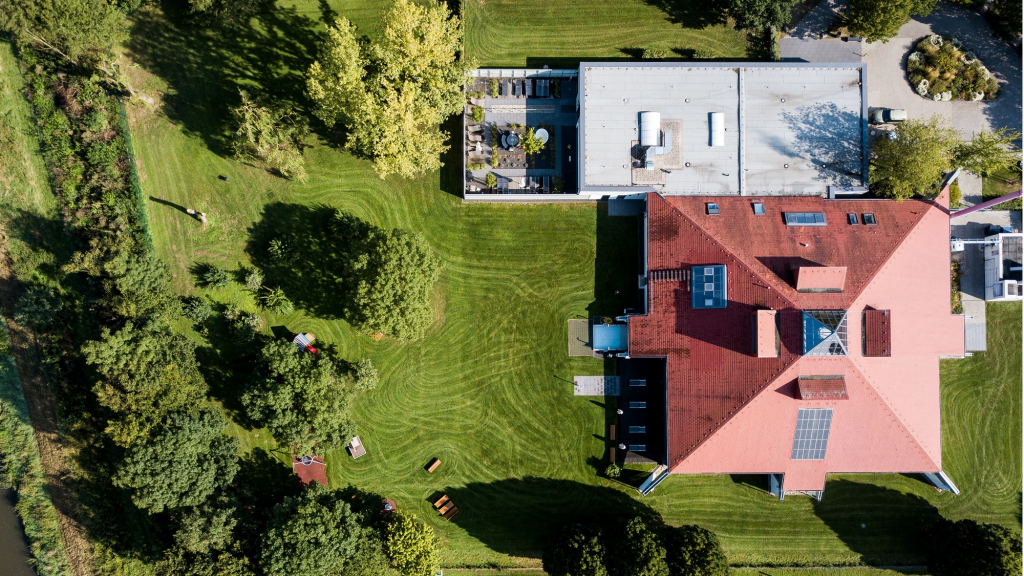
(205, 65)
(320, 272)
(515, 516)
(886, 527)
(262, 482)
(692, 13)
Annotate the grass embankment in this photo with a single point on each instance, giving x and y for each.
(561, 33)
(488, 390)
(24, 195)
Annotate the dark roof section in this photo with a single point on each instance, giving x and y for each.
(822, 388)
(712, 369)
(877, 333)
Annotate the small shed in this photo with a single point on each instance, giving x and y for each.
(356, 448)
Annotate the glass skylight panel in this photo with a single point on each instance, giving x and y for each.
(812, 430)
(638, 447)
(709, 287)
(869, 219)
(805, 219)
(825, 333)
(638, 404)
(637, 429)
(852, 218)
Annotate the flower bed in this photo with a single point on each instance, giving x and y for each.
(941, 68)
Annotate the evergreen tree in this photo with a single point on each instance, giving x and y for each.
(638, 552)
(694, 551)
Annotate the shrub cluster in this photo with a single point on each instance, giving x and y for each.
(942, 69)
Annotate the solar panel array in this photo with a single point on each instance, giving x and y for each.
(812, 428)
(710, 287)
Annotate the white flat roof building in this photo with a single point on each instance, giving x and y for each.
(789, 128)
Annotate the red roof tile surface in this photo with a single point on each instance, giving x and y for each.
(877, 333)
(315, 471)
(730, 411)
(831, 388)
(821, 278)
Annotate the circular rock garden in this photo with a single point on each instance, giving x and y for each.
(941, 68)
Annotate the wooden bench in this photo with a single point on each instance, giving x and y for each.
(611, 432)
(447, 506)
(440, 501)
(452, 512)
(433, 465)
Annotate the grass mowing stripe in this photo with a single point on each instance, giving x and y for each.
(488, 390)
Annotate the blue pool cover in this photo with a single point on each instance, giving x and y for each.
(613, 337)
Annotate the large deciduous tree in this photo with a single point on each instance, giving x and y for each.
(638, 552)
(988, 151)
(313, 534)
(760, 14)
(694, 551)
(876, 20)
(411, 545)
(301, 397)
(577, 550)
(182, 463)
(392, 94)
(398, 277)
(145, 374)
(914, 160)
(1006, 16)
(272, 135)
(71, 28)
(968, 548)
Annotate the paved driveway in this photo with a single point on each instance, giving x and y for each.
(888, 86)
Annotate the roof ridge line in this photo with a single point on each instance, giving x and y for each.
(784, 368)
(888, 405)
(731, 253)
(899, 244)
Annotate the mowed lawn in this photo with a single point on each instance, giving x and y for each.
(488, 390)
(562, 32)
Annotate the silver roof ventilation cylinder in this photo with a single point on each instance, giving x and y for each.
(717, 126)
(650, 128)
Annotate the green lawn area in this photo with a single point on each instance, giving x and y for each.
(999, 184)
(563, 32)
(488, 389)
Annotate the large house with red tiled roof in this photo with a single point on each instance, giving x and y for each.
(800, 336)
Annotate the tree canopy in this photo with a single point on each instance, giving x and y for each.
(638, 552)
(988, 151)
(876, 20)
(301, 397)
(182, 463)
(138, 285)
(760, 14)
(313, 534)
(393, 93)
(411, 545)
(577, 550)
(968, 548)
(694, 551)
(914, 161)
(71, 28)
(398, 277)
(270, 134)
(145, 374)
